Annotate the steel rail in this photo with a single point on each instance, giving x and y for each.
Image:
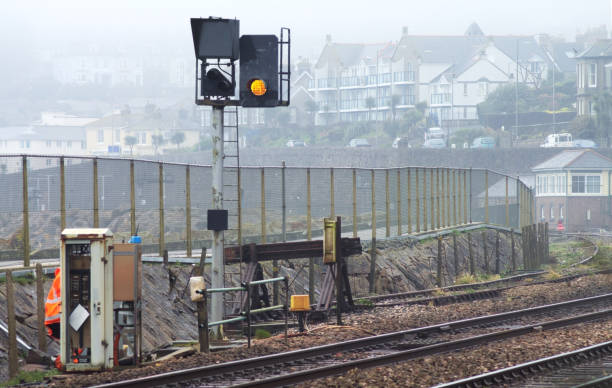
(233, 366)
(316, 373)
(508, 374)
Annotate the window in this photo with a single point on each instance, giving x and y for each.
(483, 88)
(464, 112)
(592, 75)
(588, 214)
(465, 89)
(592, 184)
(552, 212)
(100, 136)
(578, 184)
(49, 162)
(542, 212)
(560, 212)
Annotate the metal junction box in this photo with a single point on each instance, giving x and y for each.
(86, 263)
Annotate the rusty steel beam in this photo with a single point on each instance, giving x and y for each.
(289, 250)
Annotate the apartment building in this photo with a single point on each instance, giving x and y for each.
(594, 75)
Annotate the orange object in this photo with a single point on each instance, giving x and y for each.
(258, 87)
(300, 303)
(58, 363)
(54, 301)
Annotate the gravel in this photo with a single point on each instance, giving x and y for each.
(380, 320)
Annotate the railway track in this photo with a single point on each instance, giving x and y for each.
(321, 361)
(586, 367)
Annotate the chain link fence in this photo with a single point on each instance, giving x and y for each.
(265, 204)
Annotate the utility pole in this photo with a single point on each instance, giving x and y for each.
(218, 268)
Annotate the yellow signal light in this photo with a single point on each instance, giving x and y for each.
(258, 87)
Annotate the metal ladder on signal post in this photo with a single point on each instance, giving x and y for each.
(231, 192)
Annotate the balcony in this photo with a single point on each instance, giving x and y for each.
(440, 99)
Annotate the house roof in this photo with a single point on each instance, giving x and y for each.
(575, 159)
(564, 54)
(42, 132)
(528, 47)
(439, 49)
(350, 54)
(601, 48)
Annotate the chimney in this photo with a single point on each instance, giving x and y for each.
(404, 31)
(328, 38)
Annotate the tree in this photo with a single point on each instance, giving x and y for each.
(178, 138)
(395, 99)
(370, 103)
(158, 141)
(311, 108)
(603, 118)
(130, 141)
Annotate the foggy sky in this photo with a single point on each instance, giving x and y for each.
(165, 24)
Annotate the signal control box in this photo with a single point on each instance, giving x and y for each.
(86, 265)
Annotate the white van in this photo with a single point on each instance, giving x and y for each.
(558, 140)
(435, 133)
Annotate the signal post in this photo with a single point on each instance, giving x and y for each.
(217, 47)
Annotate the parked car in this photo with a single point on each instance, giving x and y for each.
(358, 143)
(558, 140)
(295, 143)
(435, 133)
(401, 142)
(483, 142)
(434, 143)
(584, 143)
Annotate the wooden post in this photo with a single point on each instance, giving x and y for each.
(470, 195)
(465, 198)
(497, 258)
(239, 207)
(202, 309)
(471, 254)
(524, 245)
(188, 210)
(512, 252)
(454, 197)
(459, 199)
(439, 263)
(442, 196)
(507, 205)
(339, 289)
(456, 256)
(132, 200)
(62, 195)
(373, 248)
(332, 200)
(448, 198)
(438, 225)
(165, 257)
(486, 196)
(26, 212)
(399, 202)
(484, 251)
(355, 221)
(96, 210)
(40, 308)
(425, 202)
(432, 198)
(418, 201)
(311, 260)
(387, 194)
(263, 206)
(12, 326)
(162, 231)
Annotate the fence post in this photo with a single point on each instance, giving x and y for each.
(263, 206)
(26, 212)
(455, 255)
(425, 202)
(507, 206)
(188, 210)
(12, 326)
(470, 195)
(448, 198)
(497, 258)
(132, 200)
(418, 200)
(40, 308)
(465, 198)
(311, 260)
(486, 196)
(438, 225)
(442, 199)
(433, 201)
(439, 263)
(162, 243)
(202, 308)
(275, 291)
(62, 195)
(96, 214)
(239, 207)
(409, 196)
(454, 197)
(459, 199)
(484, 249)
(332, 206)
(284, 202)
(387, 201)
(373, 248)
(524, 240)
(399, 202)
(471, 254)
(512, 253)
(355, 221)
